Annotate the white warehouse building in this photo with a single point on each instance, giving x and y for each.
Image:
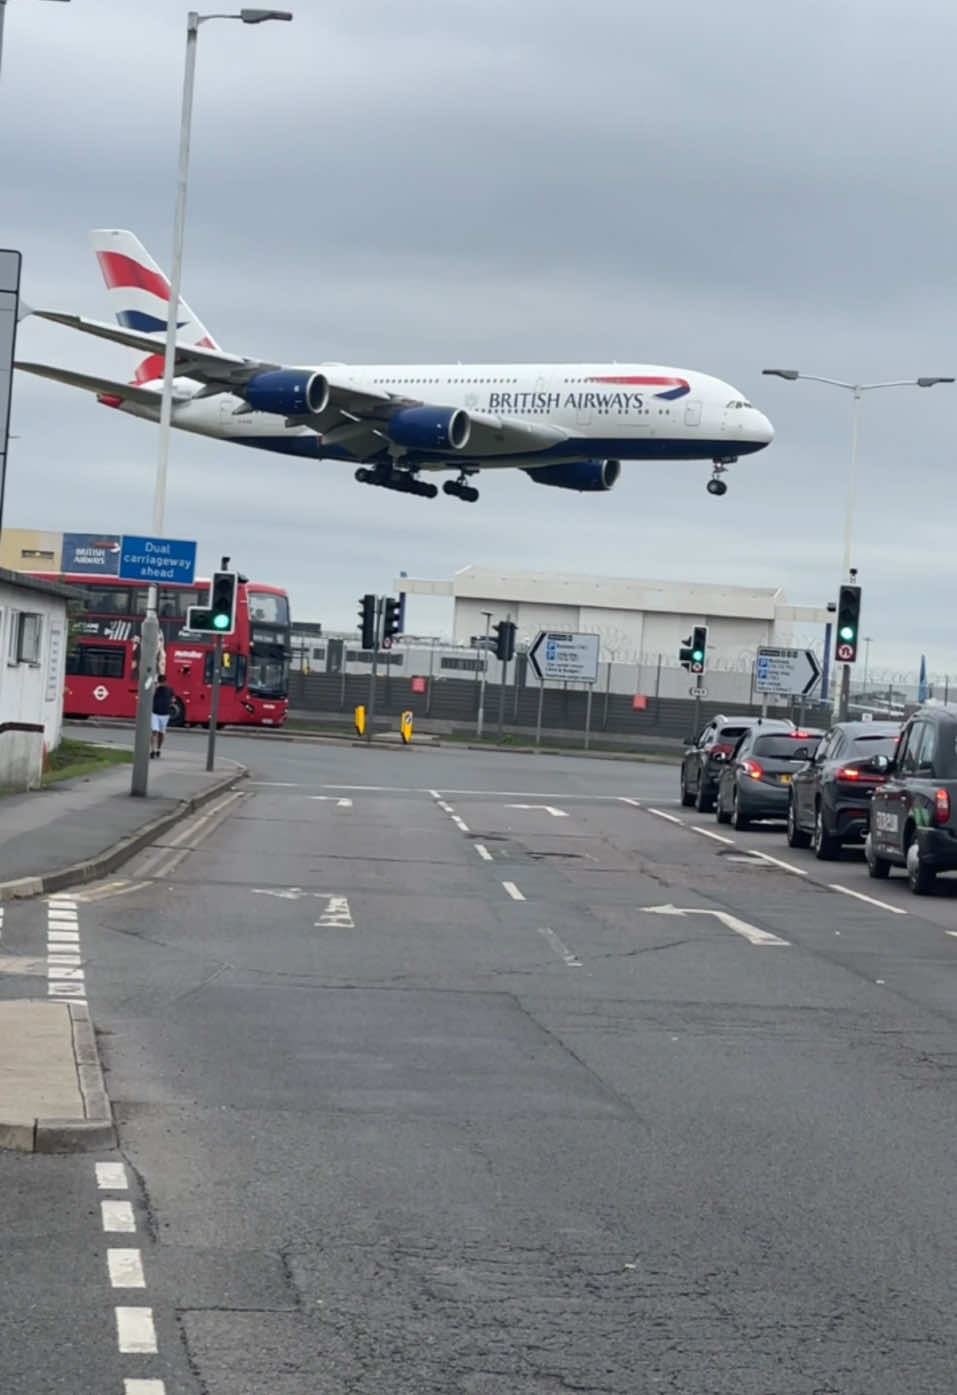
(638, 622)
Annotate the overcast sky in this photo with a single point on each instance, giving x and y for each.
(719, 188)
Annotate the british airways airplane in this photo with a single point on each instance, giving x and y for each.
(567, 425)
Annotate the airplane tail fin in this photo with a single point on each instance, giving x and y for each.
(140, 294)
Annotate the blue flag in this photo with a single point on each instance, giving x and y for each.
(922, 681)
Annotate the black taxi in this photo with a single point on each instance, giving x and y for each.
(913, 814)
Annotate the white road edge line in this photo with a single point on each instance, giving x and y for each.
(135, 1331)
(706, 833)
(513, 891)
(126, 1268)
(871, 900)
(788, 866)
(660, 814)
(561, 949)
(483, 852)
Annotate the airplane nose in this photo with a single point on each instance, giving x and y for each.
(763, 430)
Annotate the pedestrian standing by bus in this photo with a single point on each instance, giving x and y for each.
(162, 703)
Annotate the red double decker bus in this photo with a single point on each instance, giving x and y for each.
(102, 662)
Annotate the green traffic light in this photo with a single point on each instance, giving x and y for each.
(220, 622)
(847, 632)
(698, 655)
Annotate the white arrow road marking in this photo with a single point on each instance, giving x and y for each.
(337, 914)
(549, 808)
(327, 798)
(740, 927)
(562, 950)
(289, 893)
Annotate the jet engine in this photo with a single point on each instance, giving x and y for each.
(430, 428)
(288, 392)
(587, 476)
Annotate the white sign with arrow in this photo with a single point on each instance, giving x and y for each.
(560, 657)
(740, 927)
(786, 672)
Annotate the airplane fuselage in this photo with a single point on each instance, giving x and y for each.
(623, 411)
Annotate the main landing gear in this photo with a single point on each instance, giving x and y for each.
(459, 489)
(716, 484)
(403, 481)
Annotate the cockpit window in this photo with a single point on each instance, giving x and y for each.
(738, 404)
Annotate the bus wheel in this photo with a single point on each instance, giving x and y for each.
(177, 713)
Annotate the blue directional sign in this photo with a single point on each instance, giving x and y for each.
(157, 559)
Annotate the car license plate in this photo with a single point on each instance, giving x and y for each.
(785, 779)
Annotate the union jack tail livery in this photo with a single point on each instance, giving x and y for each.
(139, 293)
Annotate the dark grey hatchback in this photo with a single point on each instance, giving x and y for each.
(913, 816)
(756, 782)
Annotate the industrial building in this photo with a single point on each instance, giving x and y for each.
(638, 622)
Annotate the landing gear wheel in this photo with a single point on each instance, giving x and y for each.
(827, 848)
(797, 838)
(920, 877)
(716, 486)
(877, 867)
(457, 489)
(427, 491)
(363, 476)
(738, 820)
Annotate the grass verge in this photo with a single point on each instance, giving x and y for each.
(73, 758)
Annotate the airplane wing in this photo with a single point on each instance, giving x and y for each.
(354, 416)
(104, 387)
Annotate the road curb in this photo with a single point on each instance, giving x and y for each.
(93, 868)
(91, 1133)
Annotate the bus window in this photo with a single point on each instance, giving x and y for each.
(96, 661)
(267, 608)
(106, 600)
(232, 673)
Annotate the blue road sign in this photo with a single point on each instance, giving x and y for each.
(157, 559)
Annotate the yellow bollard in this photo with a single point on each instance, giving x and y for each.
(405, 727)
(360, 721)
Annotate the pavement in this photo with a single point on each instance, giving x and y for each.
(52, 1096)
(437, 1074)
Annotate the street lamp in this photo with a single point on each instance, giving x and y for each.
(150, 631)
(791, 375)
(481, 710)
(3, 11)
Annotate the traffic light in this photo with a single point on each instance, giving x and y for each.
(222, 603)
(391, 620)
(218, 616)
(367, 621)
(505, 640)
(694, 650)
(848, 624)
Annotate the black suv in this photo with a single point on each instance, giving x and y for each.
(756, 779)
(705, 758)
(914, 812)
(831, 795)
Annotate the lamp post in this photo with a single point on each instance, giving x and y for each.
(791, 375)
(3, 12)
(149, 638)
(867, 658)
(481, 712)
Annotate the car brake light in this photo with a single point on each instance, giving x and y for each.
(847, 772)
(752, 768)
(942, 807)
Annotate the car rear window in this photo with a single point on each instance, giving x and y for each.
(867, 746)
(786, 747)
(731, 733)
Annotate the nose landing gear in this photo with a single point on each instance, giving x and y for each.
(716, 485)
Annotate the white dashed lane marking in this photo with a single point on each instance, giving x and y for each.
(117, 1216)
(871, 900)
(707, 833)
(788, 866)
(660, 814)
(624, 799)
(483, 852)
(560, 948)
(111, 1177)
(126, 1268)
(143, 1387)
(135, 1331)
(513, 891)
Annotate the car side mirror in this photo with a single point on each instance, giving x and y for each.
(881, 764)
(802, 753)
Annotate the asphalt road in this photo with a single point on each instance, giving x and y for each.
(424, 1085)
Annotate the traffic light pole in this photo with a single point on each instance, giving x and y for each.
(374, 670)
(149, 649)
(214, 702)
